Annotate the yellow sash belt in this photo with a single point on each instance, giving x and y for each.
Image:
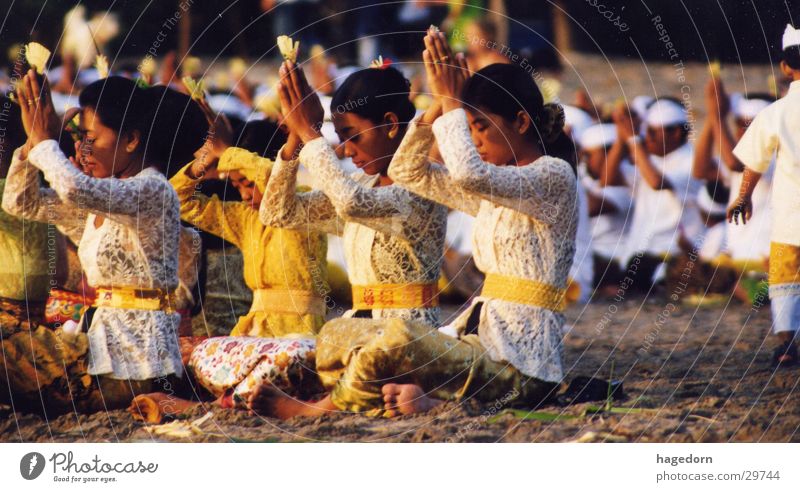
(135, 298)
(395, 296)
(287, 301)
(524, 291)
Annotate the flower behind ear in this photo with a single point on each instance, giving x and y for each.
(381, 63)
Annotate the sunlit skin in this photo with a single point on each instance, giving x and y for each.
(102, 151)
(500, 141)
(370, 145)
(661, 141)
(247, 189)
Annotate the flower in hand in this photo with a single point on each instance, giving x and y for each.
(300, 105)
(446, 73)
(39, 117)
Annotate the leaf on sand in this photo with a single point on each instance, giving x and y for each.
(181, 429)
(592, 436)
(529, 415)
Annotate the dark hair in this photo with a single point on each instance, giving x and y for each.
(120, 104)
(263, 137)
(178, 127)
(505, 90)
(373, 92)
(791, 56)
(172, 126)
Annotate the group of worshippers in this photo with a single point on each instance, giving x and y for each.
(557, 205)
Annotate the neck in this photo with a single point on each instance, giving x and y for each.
(134, 167)
(525, 156)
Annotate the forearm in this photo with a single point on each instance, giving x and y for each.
(703, 167)
(726, 145)
(749, 182)
(611, 175)
(650, 174)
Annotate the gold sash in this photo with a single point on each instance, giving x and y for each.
(395, 296)
(524, 291)
(287, 301)
(135, 298)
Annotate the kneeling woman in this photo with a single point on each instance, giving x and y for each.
(524, 203)
(125, 217)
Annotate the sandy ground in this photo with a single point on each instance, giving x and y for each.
(695, 374)
(703, 375)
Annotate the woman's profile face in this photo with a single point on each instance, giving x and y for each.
(102, 152)
(368, 144)
(493, 136)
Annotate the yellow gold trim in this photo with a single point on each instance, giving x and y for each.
(135, 298)
(524, 291)
(784, 263)
(395, 296)
(287, 301)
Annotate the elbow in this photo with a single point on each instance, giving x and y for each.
(14, 205)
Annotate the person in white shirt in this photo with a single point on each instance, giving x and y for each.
(609, 201)
(773, 132)
(747, 246)
(663, 190)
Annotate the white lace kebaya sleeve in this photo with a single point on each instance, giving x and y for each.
(283, 207)
(411, 168)
(24, 197)
(126, 200)
(387, 209)
(541, 190)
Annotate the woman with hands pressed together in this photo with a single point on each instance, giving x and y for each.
(393, 239)
(494, 137)
(119, 207)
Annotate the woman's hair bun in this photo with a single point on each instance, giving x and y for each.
(551, 122)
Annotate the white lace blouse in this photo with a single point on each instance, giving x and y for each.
(135, 246)
(526, 219)
(391, 236)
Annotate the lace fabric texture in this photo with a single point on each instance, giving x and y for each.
(391, 235)
(135, 246)
(525, 226)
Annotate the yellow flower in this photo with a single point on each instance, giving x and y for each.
(37, 56)
(148, 66)
(715, 67)
(282, 360)
(237, 67)
(101, 64)
(288, 48)
(195, 88)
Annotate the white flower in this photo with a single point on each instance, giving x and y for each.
(288, 48)
(195, 88)
(37, 56)
(101, 64)
(377, 63)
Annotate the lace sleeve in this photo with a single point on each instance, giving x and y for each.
(541, 190)
(386, 209)
(24, 197)
(412, 169)
(282, 206)
(127, 201)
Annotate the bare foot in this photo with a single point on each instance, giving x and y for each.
(269, 401)
(407, 399)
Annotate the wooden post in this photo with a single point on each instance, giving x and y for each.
(184, 29)
(561, 29)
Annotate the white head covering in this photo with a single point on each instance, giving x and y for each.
(707, 204)
(791, 37)
(665, 113)
(576, 121)
(598, 136)
(745, 108)
(639, 105)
